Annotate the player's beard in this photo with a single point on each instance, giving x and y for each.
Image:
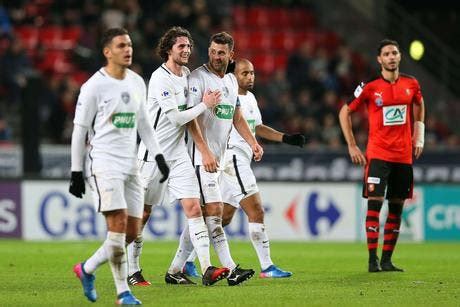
(220, 67)
(389, 68)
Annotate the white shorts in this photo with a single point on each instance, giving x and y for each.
(182, 181)
(209, 185)
(112, 191)
(237, 180)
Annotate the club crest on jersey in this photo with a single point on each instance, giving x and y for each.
(165, 94)
(125, 97)
(225, 91)
(378, 100)
(193, 89)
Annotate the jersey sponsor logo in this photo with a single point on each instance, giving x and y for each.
(378, 99)
(394, 115)
(182, 107)
(124, 120)
(252, 125)
(375, 180)
(359, 90)
(125, 97)
(224, 111)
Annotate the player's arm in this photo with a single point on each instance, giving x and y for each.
(419, 128)
(85, 113)
(209, 161)
(274, 135)
(148, 136)
(243, 129)
(345, 123)
(210, 100)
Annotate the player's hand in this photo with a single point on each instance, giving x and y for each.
(295, 139)
(210, 162)
(77, 184)
(257, 151)
(418, 151)
(356, 155)
(163, 167)
(211, 99)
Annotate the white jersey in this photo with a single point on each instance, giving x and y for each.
(215, 123)
(166, 91)
(251, 113)
(111, 109)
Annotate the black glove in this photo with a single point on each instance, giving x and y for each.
(295, 139)
(230, 67)
(163, 166)
(77, 184)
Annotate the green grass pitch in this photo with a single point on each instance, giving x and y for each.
(325, 274)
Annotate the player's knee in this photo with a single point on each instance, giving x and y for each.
(194, 210)
(226, 219)
(131, 235)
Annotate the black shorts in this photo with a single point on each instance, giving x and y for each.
(396, 178)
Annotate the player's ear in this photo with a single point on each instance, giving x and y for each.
(379, 59)
(106, 52)
(232, 53)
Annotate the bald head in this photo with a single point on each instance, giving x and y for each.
(244, 73)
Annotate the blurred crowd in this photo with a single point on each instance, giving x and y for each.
(303, 95)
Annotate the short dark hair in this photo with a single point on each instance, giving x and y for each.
(222, 38)
(109, 34)
(168, 40)
(386, 42)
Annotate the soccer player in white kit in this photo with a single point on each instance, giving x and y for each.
(238, 183)
(210, 132)
(111, 110)
(167, 94)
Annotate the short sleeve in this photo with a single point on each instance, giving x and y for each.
(358, 97)
(417, 93)
(258, 116)
(195, 89)
(86, 106)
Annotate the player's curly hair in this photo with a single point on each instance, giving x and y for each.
(222, 38)
(168, 40)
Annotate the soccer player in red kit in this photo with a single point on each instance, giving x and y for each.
(395, 106)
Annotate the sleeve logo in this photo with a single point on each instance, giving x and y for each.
(359, 90)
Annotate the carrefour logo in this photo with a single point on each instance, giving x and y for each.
(320, 209)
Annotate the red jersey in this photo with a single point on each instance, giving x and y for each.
(389, 106)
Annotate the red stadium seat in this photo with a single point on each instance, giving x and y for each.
(51, 37)
(260, 40)
(28, 36)
(258, 17)
(70, 37)
(242, 41)
(239, 17)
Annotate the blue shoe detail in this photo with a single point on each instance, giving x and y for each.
(189, 269)
(87, 281)
(127, 298)
(274, 272)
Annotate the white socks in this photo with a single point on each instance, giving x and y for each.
(200, 240)
(183, 251)
(219, 241)
(134, 253)
(113, 250)
(192, 256)
(261, 244)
